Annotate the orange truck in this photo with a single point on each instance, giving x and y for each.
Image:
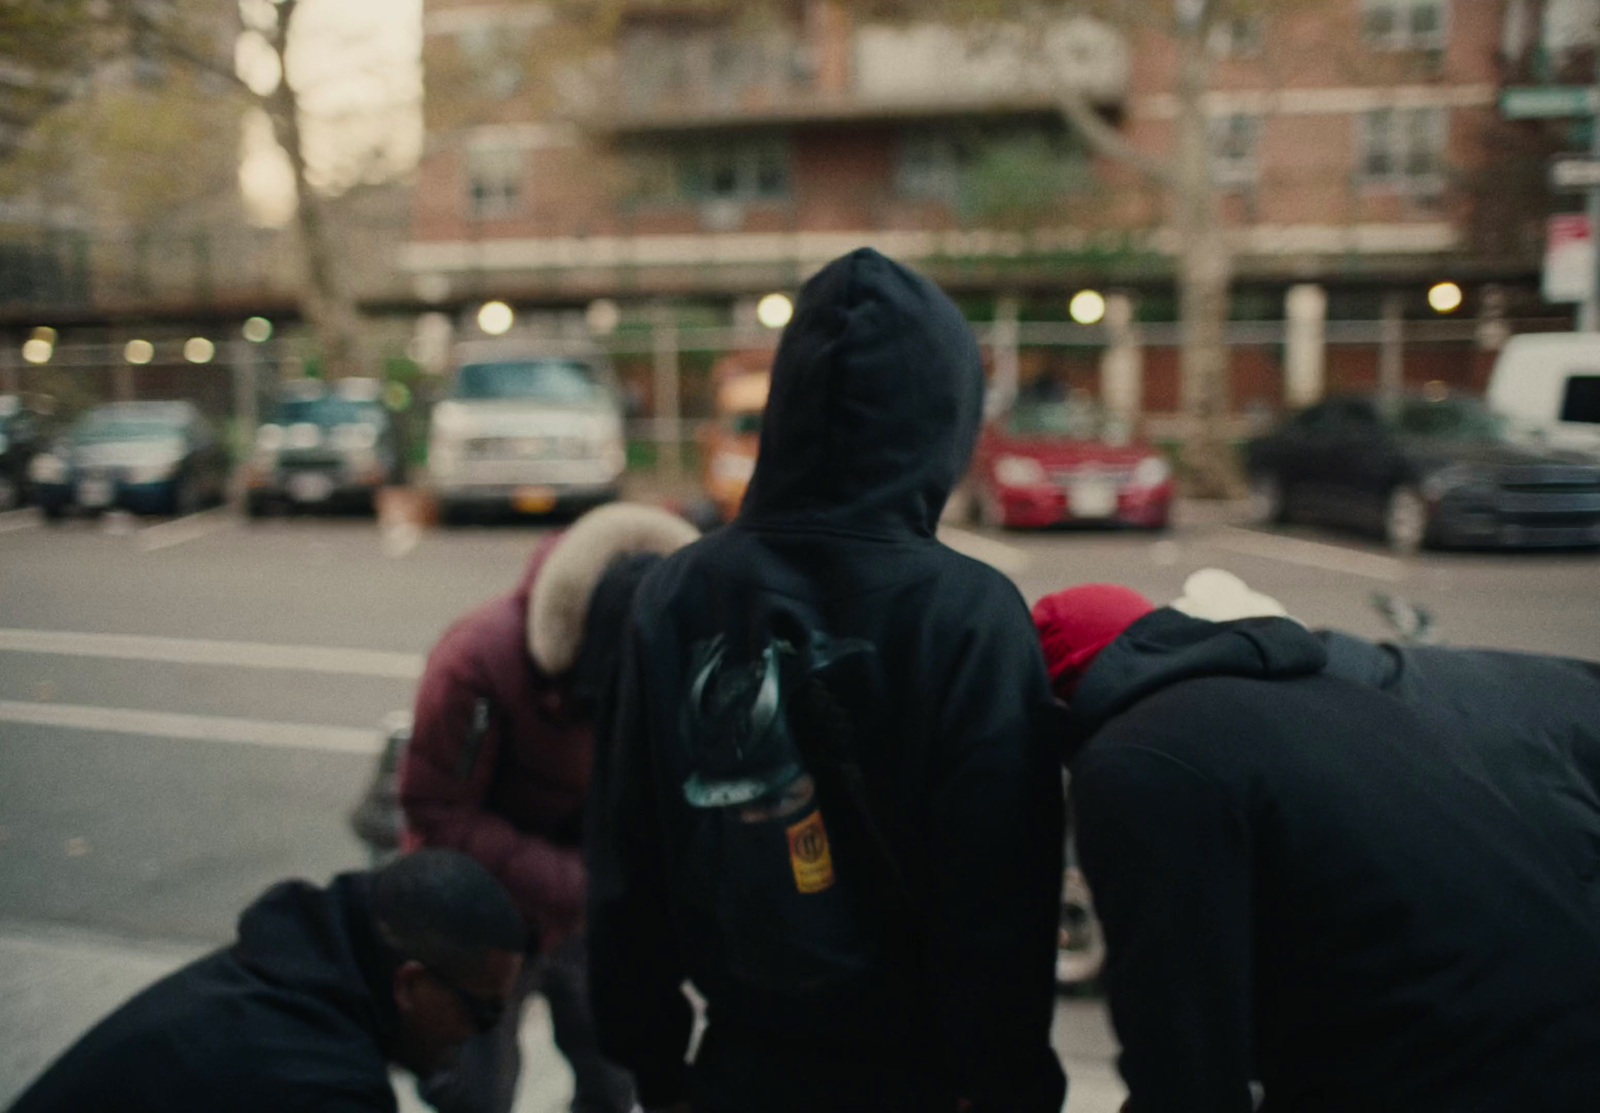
(729, 442)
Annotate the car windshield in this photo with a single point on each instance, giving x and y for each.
(557, 382)
(1070, 420)
(101, 428)
(1451, 419)
(326, 412)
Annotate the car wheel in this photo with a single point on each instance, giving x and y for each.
(10, 494)
(1405, 520)
(53, 511)
(186, 498)
(1268, 505)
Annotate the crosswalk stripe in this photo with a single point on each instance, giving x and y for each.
(195, 728)
(195, 651)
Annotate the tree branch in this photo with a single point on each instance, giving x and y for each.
(1106, 140)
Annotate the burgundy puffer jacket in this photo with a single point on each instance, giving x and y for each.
(501, 750)
(499, 762)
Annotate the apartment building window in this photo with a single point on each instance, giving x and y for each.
(1405, 24)
(1234, 143)
(1236, 37)
(753, 171)
(997, 169)
(1405, 147)
(496, 174)
(931, 167)
(722, 69)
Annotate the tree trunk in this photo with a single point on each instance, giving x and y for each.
(1205, 277)
(328, 308)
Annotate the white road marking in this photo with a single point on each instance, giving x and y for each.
(1006, 558)
(191, 527)
(12, 521)
(1307, 554)
(194, 651)
(195, 728)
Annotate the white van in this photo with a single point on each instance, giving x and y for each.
(1548, 384)
(533, 427)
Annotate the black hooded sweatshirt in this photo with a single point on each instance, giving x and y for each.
(1303, 881)
(1529, 724)
(898, 980)
(296, 1015)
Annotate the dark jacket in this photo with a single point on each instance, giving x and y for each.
(889, 1003)
(297, 1014)
(498, 765)
(1302, 881)
(1529, 724)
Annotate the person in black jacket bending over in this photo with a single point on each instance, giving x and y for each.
(323, 989)
(832, 799)
(1309, 881)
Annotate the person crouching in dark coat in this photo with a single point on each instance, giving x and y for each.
(1302, 882)
(323, 989)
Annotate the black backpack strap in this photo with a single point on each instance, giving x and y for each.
(825, 736)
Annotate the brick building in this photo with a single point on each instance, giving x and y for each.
(702, 161)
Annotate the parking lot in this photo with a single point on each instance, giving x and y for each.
(188, 710)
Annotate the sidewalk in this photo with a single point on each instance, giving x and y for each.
(56, 982)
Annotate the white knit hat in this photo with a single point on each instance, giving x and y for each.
(1217, 595)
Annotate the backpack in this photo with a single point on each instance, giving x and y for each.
(786, 865)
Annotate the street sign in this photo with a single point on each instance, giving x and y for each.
(1569, 259)
(1545, 102)
(1575, 173)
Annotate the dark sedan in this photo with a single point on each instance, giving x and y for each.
(22, 434)
(324, 447)
(1423, 471)
(146, 457)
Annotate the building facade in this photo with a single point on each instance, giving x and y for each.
(702, 160)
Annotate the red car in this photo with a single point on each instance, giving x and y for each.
(1046, 463)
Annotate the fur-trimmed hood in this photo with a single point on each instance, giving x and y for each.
(558, 604)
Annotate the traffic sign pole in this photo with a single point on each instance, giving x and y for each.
(1589, 319)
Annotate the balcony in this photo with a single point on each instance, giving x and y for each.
(698, 79)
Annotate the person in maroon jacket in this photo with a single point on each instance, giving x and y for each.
(499, 767)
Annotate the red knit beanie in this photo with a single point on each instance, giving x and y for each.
(1076, 624)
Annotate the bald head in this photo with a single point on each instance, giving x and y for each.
(443, 909)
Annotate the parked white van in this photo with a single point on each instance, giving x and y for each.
(530, 427)
(1548, 384)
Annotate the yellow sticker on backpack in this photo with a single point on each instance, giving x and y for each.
(809, 855)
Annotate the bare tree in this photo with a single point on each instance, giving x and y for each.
(325, 300)
(1184, 174)
(73, 38)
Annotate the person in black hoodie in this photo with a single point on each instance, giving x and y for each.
(1528, 724)
(1304, 880)
(832, 799)
(323, 989)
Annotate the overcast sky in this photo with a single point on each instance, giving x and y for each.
(357, 65)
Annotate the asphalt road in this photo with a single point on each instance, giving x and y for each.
(188, 711)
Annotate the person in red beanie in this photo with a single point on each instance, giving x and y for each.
(1076, 624)
(1304, 881)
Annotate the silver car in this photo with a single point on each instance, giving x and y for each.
(531, 433)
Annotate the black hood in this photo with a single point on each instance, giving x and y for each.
(877, 393)
(321, 942)
(1167, 646)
